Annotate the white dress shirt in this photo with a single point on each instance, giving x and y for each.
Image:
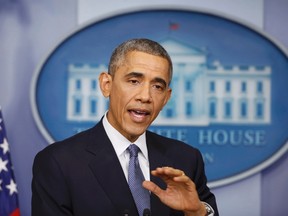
(121, 143)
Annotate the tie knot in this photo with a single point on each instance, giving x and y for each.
(133, 150)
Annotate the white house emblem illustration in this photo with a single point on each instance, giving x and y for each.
(203, 93)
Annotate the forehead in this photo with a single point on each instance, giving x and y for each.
(142, 60)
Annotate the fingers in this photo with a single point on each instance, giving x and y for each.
(169, 172)
(152, 187)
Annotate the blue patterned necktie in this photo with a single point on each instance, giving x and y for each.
(135, 178)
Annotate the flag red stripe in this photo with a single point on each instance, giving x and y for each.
(16, 212)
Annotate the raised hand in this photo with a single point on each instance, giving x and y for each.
(180, 193)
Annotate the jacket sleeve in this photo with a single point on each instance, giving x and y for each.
(204, 193)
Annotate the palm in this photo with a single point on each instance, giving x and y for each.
(180, 193)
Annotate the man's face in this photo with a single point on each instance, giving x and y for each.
(138, 91)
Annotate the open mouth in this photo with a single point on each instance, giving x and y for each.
(139, 114)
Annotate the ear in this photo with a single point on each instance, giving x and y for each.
(105, 82)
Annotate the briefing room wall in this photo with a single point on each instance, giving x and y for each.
(275, 17)
(28, 31)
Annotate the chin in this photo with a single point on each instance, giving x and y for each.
(134, 132)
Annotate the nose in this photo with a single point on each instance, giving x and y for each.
(144, 94)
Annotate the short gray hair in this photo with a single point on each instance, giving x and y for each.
(139, 44)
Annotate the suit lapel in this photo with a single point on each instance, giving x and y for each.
(108, 171)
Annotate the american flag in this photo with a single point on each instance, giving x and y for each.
(8, 188)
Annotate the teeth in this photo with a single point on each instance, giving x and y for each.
(139, 112)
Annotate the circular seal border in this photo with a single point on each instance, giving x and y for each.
(212, 184)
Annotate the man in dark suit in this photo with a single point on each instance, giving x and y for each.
(86, 175)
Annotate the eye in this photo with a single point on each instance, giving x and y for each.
(133, 81)
(158, 87)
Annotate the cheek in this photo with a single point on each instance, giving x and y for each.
(158, 104)
(119, 100)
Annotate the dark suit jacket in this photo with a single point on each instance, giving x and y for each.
(82, 176)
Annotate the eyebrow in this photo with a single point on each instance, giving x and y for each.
(139, 75)
(134, 74)
(160, 80)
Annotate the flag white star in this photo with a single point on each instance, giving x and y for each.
(1, 184)
(12, 187)
(4, 146)
(3, 165)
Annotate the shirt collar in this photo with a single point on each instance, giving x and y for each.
(121, 143)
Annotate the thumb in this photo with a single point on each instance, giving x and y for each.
(151, 186)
